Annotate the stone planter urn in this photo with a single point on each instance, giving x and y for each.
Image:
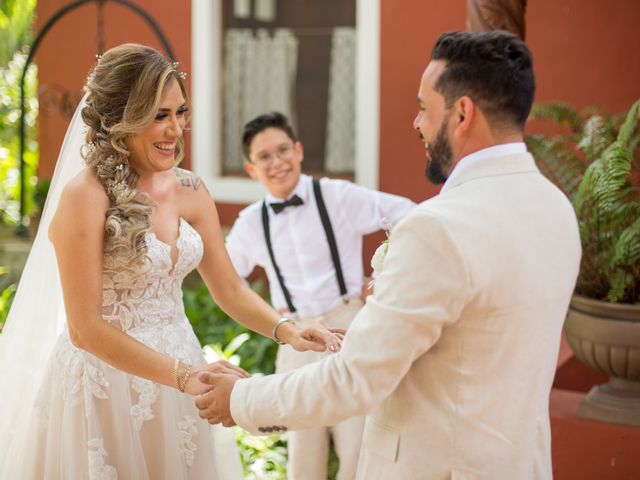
(606, 336)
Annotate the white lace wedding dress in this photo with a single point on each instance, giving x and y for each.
(93, 421)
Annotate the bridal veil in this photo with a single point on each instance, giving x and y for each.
(37, 315)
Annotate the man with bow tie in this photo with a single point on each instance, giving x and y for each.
(307, 235)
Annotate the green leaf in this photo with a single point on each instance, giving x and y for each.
(605, 194)
(235, 344)
(560, 113)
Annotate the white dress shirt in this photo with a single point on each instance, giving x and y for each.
(300, 245)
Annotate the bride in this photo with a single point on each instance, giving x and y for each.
(97, 349)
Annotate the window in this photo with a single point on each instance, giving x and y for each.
(317, 62)
(296, 57)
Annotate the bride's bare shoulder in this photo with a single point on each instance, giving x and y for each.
(82, 207)
(84, 190)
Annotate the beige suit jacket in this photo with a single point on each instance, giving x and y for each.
(454, 355)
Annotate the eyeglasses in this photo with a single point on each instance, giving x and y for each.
(264, 160)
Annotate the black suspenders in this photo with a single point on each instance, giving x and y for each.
(267, 237)
(331, 239)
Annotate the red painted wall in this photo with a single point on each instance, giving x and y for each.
(585, 53)
(68, 51)
(408, 30)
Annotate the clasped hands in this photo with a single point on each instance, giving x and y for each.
(214, 382)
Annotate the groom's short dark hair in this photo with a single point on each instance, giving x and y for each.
(262, 122)
(494, 69)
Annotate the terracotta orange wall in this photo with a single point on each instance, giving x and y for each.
(68, 51)
(585, 53)
(408, 30)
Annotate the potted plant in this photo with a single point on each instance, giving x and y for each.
(597, 165)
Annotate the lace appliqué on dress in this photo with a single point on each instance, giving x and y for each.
(186, 431)
(141, 411)
(77, 376)
(178, 342)
(139, 297)
(98, 469)
(76, 379)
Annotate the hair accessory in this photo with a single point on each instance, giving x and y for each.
(175, 66)
(93, 70)
(119, 190)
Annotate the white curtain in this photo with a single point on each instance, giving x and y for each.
(259, 76)
(265, 10)
(341, 111)
(242, 8)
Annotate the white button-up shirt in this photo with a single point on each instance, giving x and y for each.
(300, 245)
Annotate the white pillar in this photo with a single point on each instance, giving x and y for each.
(206, 48)
(367, 92)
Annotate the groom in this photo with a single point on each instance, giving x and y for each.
(454, 354)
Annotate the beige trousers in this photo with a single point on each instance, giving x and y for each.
(309, 449)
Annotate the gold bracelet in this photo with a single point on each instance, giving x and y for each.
(186, 378)
(176, 377)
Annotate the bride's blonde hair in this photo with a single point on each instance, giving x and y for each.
(124, 94)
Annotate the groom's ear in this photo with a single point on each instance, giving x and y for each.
(464, 111)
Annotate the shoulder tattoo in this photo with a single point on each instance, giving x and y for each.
(188, 179)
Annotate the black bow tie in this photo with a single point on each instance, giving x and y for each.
(292, 202)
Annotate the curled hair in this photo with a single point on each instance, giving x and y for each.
(124, 94)
(494, 69)
(261, 123)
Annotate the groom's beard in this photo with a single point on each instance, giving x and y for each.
(440, 155)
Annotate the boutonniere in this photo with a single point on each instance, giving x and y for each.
(377, 261)
(378, 257)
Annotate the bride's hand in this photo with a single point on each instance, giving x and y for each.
(316, 338)
(196, 387)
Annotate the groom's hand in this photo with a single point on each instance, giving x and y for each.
(215, 405)
(196, 387)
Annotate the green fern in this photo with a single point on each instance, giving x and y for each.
(597, 166)
(560, 113)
